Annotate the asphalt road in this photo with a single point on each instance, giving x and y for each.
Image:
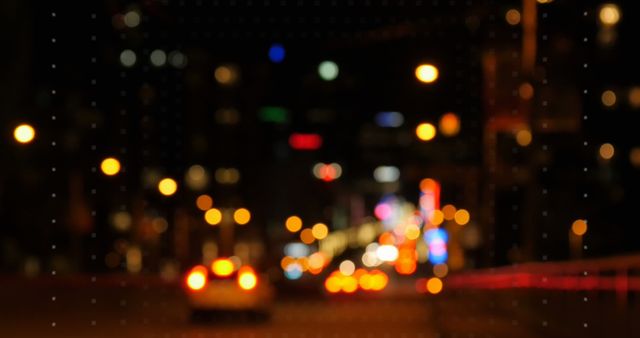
(160, 311)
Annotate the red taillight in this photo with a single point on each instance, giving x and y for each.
(247, 279)
(197, 278)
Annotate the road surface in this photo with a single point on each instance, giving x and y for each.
(127, 310)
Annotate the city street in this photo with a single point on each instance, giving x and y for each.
(161, 312)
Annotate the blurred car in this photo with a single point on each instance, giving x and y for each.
(225, 288)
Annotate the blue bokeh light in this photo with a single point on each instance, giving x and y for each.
(276, 53)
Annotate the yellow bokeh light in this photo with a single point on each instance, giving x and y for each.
(449, 124)
(333, 284)
(434, 285)
(213, 216)
(316, 260)
(608, 98)
(426, 131)
(306, 236)
(222, 267)
(436, 217)
(609, 14)
(110, 166)
(427, 73)
(242, 216)
(524, 137)
(349, 284)
(462, 217)
(320, 231)
(293, 223)
(24, 133)
(513, 17)
(449, 212)
(412, 232)
(167, 186)
(606, 151)
(379, 280)
(579, 227)
(204, 202)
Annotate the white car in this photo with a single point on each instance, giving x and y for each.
(223, 287)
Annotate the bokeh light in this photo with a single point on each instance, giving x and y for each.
(177, 59)
(462, 216)
(213, 216)
(389, 119)
(132, 19)
(24, 133)
(276, 53)
(333, 284)
(426, 73)
(320, 231)
(197, 278)
(226, 75)
(158, 58)
(247, 279)
(426, 131)
(196, 177)
(609, 14)
(440, 270)
(412, 232)
(128, 58)
(606, 151)
(387, 253)
(328, 70)
(434, 285)
(242, 216)
(110, 166)
(293, 223)
(222, 267)
(386, 174)
(167, 186)
(436, 217)
(227, 175)
(306, 236)
(449, 124)
(524, 137)
(526, 91)
(204, 202)
(347, 267)
(513, 17)
(449, 212)
(634, 97)
(293, 271)
(579, 227)
(634, 157)
(608, 98)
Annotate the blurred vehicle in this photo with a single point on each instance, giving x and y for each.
(224, 287)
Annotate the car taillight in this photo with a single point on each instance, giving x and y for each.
(197, 278)
(247, 279)
(222, 267)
